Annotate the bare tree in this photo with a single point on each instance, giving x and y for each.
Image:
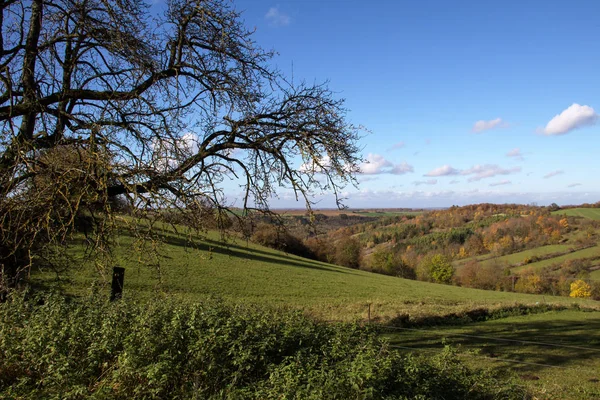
(101, 98)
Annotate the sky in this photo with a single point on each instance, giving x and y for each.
(465, 101)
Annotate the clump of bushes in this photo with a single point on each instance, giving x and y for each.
(276, 237)
(54, 348)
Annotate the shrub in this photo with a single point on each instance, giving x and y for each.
(580, 288)
(348, 252)
(389, 262)
(436, 269)
(277, 238)
(164, 349)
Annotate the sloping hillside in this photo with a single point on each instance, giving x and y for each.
(237, 271)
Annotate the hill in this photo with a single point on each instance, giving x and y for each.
(190, 268)
(194, 267)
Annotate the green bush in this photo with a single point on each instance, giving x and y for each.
(436, 268)
(53, 348)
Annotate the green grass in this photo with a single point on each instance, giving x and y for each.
(568, 370)
(590, 252)
(518, 257)
(250, 274)
(595, 275)
(590, 213)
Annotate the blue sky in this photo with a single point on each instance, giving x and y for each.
(466, 101)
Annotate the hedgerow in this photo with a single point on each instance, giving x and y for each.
(56, 348)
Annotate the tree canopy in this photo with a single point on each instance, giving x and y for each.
(103, 98)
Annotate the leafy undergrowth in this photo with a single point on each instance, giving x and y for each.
(52, 347)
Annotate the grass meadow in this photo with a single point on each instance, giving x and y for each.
(590, 213)
(243, 272)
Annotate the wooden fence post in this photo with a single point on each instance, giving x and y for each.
(116, 290)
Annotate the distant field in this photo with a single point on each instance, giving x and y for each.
(590, 252)
(590, 213)
(515, 258)
(385, 213)
(250, 274)
(555, 354)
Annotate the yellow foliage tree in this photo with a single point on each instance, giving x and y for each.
(580, 288)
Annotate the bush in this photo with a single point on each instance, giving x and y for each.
(437, 269)
(475, 275)
(580, 288)
(387, 261)
(277, 238)
(348, 252)
(163, 349)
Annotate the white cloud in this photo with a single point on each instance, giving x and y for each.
(516, 154)
(367, 179)
(376, 164)
(574, 185)
(480, 172)
(503, 182)
(276, 17)
(316, 166)
(483, 125)
(170, 152)
(397, 146)
(576, 116)
(454, 182)
(554, 173)
(427, 182)
(444, 170)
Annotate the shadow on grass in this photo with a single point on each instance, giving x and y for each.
(244, 253)
(559, 343)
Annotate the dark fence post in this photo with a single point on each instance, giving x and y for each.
(116, 290)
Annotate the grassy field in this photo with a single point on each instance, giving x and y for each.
(243, 272)
(555, 354)
(590, 213)
(518, 257)
(590, 252)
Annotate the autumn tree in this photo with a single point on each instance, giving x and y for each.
(348, 252)
(161, 108)
(436, 268)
